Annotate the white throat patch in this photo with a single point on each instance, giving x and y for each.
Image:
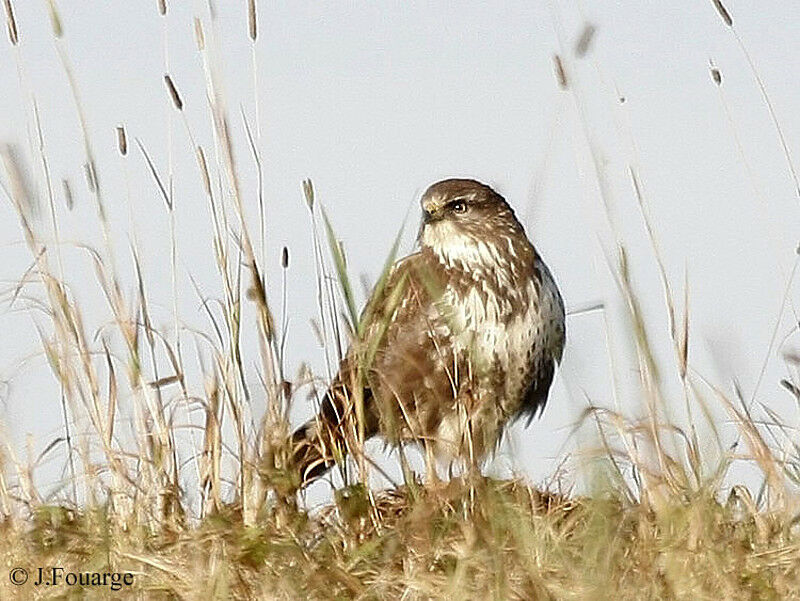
(457, 249)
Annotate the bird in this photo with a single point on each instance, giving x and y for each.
(458, 340)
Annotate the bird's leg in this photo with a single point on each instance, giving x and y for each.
(431, 476)
(408, 475)
(403, 464)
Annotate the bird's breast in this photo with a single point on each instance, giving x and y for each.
(491, 326)
(503, 333)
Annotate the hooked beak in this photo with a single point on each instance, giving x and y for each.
(431, 211)
(428, 217)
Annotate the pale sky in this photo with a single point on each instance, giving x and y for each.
(376, 100)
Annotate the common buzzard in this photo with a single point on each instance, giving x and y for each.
(458, 340)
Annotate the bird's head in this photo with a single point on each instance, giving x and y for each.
(466, 222)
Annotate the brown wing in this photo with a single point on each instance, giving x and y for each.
(399, 365)
(543, 365)
(414, 371)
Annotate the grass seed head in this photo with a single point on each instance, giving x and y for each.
(561, 74)
(18, 177)
(122, 140)
(199, 36)
(55, 19)
(68, 193)
(201, 162)
(723, 12)
(88, 174)
(173, 92)
(252, 20)
(584, 43)
(11, 23)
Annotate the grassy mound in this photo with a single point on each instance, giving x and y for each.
(466, 539)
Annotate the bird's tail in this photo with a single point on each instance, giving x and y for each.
(311, 456)
(322, 441)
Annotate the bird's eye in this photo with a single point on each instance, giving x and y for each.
(459, 207)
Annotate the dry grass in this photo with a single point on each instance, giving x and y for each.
(655, 523)
(487, 539)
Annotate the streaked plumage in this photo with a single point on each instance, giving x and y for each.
(462, 338)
